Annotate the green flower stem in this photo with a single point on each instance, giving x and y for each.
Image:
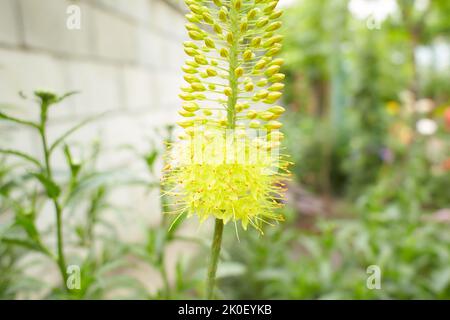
(231, 118)
(61, 261)
(214, 259)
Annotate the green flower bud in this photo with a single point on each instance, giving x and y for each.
(189, 69)
(251, 114)
(209, 43)
(253, 13)
(274, 26)
(277, 109)
(185, 113)
(276, 87)
(186, 96)
(270, 7)
(277, 77)
(273, 124)
(239, 72)
(217, 28)
(256, 42)
(197, 86)
(223, 14)
(272, 70)
(276, 14)
(249, 86)
(262, 82)
(247, 55)
(262, 22)
(261, 94)
(194, 35)
(190, 106)
(211, 72)
(254, 124)
(228, 91)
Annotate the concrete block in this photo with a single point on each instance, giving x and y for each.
(45, 27)
(9, 23)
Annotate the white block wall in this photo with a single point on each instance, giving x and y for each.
(126, 59)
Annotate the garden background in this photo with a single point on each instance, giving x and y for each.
(367, 127)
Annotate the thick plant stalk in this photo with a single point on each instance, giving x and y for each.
(214, 259)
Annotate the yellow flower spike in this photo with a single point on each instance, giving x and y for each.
(244, 181)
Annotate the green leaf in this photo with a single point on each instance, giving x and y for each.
(21, 155)
(72, 130)
(150, 159)
(53, 191)
(19, 121)
(74, 167)
(176, 224)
